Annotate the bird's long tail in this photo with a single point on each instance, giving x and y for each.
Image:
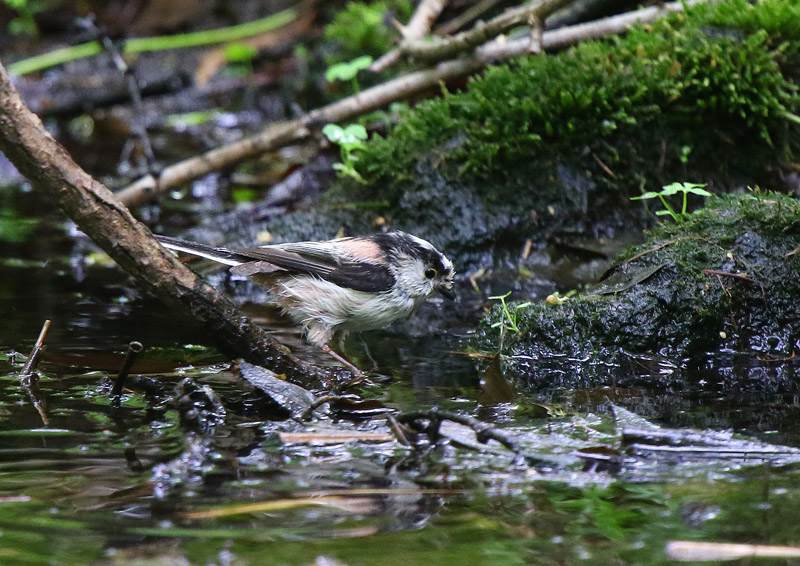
(220, 255)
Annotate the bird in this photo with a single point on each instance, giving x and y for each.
(334, 287)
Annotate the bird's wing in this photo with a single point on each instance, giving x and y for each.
(314, 260)
(326, 261)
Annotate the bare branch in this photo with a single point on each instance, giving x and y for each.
(418, 26)
(279, 135)
(445, 47)
(422, 19)
(398, 88)
(564, 37)
(471, 13)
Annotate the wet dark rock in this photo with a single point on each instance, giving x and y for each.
(726, 281)
(280, 396)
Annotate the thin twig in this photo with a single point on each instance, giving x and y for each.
(438, 49)
(418, 27)
(283, 134)
(36, 352)
(718, 273)
(465, 17)
(318, 402)
(134, 349)
(397, 430)
(29, 379)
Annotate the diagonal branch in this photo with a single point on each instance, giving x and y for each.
(98, 213)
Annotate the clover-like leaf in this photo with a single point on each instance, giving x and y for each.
(340, 72)
(333, 132)
(362, 62)
(356, 132)
(347, 71)
(349, 137)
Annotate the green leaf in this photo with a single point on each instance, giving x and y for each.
(663, 213)
(347, 71)
(333, 132)
(340, 72)
(672, 189)
(356, 131)
(647, 195)
(239, 53)
(362, 62)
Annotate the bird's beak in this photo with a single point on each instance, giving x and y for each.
(448, 293)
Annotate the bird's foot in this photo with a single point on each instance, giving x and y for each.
(358, 375)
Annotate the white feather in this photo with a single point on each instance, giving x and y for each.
(207, 255)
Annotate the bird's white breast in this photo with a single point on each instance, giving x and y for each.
(325, 308)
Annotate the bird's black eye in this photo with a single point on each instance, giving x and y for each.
(430, 273)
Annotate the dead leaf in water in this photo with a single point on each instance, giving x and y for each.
(495, 388)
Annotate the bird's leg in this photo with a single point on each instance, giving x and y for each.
(356, 372)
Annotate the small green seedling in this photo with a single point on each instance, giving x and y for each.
(672, 189)
(508, 315)
(349, 140)
(24, 23)
(348, 71)
(240, 57)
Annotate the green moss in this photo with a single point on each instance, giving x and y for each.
(727, 281)
(778, 19)
(673, 73)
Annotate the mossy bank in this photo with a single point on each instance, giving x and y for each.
(557, 144)
(725, 279)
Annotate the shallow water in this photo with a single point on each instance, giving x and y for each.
(140, 485)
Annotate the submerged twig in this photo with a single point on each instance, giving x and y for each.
(397, 430)
(483, 432)
(29, 379)
(134, 349)
(37, 351)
